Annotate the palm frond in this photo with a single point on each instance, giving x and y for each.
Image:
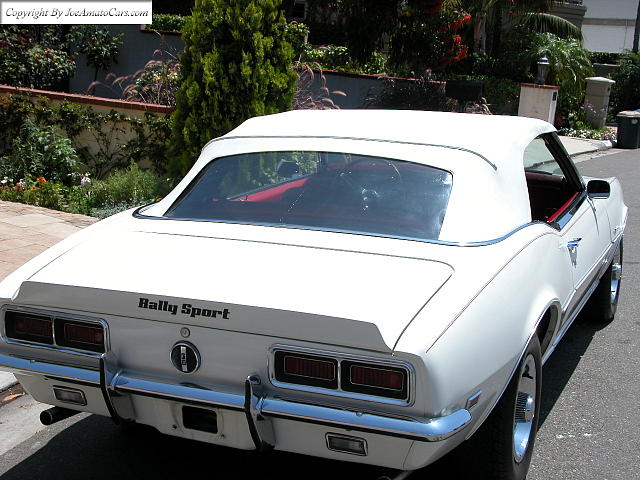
(548, 23)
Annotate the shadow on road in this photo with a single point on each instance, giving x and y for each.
(564, 361)
(95, 448)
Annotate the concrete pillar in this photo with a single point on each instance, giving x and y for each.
(538, 101)
(596, 100)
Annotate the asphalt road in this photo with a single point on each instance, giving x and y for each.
(590, 423)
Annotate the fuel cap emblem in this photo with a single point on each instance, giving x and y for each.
(185, 357)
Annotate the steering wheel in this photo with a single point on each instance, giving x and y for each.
(367, 186)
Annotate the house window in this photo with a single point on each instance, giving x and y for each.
(299, 9)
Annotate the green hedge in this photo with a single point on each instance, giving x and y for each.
(501, 94)
(167, 22)
(605, 57)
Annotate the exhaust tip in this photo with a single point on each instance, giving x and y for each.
(55, 414)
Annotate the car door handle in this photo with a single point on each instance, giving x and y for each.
(572, 246)
(573, 243)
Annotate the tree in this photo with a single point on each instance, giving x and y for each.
(236, 65)
(529, 13)
(97, 44)
(421, 34)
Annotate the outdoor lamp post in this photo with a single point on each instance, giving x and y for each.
(543, 70)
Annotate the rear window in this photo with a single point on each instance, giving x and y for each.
(320, 190)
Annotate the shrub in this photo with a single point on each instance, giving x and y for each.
(502, 94)
(569, 60)
(589, 133)
(297, 34)
(39, 192)
(625, 93)
(236, 65)
(39, 151)
(312, 92)
(122, 189)
(46, 194)
(132, 186)
(401, 94)
(110, 132)
(605, 57)
(26, 63)
(331, 57)
(167, 22)
(157, 82)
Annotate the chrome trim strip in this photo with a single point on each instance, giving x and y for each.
(619, 229)
(138, 214)
(66, 373)
(591, 279)
(329, 137)
(574, 312)
(571, 211)
(338, 392)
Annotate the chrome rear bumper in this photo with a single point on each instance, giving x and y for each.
(118, 386)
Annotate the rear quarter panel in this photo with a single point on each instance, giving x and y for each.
(485, 339)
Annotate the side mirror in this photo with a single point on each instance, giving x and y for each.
(598, 189)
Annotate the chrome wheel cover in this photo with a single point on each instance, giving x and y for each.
(616, 277)
(525, 408)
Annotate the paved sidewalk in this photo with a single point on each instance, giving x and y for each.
(578, 146)
(26, 231)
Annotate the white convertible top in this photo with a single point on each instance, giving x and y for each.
(491, 136)
(489, 197)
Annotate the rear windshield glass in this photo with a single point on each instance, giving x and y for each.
(320, 190)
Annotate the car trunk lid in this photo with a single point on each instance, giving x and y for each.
(357, 299)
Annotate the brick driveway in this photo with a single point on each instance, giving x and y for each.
(25, 231)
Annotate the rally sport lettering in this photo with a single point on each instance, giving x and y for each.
(185, 309)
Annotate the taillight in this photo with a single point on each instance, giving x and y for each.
(306, 369)
(29, 327)
(85, 336)
(374, 379)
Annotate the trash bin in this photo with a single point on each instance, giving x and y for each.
(628, 129)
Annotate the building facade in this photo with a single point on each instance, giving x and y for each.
(609, 25)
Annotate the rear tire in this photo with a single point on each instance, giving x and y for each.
(602, 306)
(502, 447)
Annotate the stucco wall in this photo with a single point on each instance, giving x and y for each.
(99, 105)
(138, 49)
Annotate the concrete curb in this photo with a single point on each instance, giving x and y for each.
(7, 380)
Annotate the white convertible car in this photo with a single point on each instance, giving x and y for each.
(370, 286)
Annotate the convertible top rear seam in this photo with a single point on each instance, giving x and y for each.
(322, 137)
